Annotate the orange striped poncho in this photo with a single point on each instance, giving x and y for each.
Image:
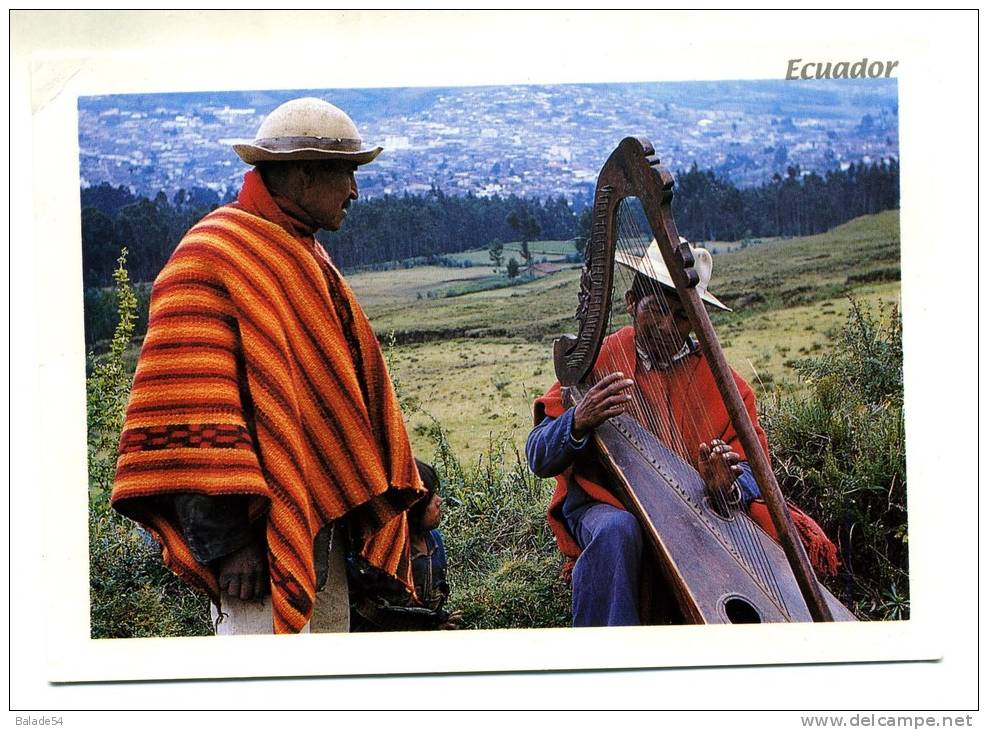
(261, 376)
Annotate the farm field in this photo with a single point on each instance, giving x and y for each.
(550, 250)
(475, 363)
(381, 291)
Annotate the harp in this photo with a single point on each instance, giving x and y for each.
(721, 567)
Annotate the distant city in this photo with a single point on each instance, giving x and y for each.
(542, 141)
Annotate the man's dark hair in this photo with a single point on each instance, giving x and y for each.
(643, 285)
(273, 173)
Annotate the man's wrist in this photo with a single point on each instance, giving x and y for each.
(577, 438)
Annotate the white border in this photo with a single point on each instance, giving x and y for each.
(58, 56)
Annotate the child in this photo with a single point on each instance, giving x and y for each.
(376, 606)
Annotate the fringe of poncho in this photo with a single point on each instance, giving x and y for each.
(261, 376)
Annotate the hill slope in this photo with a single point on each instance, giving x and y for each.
(772, 275)
(477, 361)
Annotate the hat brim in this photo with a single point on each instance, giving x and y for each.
(252, 154)
(663, 278)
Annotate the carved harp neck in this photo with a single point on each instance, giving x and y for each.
(632, 170)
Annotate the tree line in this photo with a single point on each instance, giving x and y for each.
(709, 208)
(114, 218)
(404, 227)
(385, 229)
(398, 227)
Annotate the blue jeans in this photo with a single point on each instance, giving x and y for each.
(605, 577)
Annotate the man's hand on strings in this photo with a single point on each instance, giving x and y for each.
(608, 398)
(719, 470)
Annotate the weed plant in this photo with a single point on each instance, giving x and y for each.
(839, 453)
(131, 593)
(504, 568)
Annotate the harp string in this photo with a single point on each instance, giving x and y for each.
(659, 418)
(740, 531)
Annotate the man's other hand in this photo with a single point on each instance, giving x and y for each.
(244, 574)
(606, 399)
(719, 469)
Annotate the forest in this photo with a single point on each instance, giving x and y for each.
(396, 228)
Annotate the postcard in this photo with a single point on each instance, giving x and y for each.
(813, 165)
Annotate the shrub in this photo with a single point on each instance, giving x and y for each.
(100, 313)
(840, 454)
(504, 569)
(131, 593)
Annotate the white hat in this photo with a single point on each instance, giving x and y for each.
(307, 129)
(652, 266)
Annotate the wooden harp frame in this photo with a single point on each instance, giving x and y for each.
(633, 170)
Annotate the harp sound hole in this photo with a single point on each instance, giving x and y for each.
(739, 611)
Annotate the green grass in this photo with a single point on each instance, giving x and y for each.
(787, 272)
(477, 388)
(468, 367)
(477, 361)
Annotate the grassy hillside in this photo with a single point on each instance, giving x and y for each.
(784, 272)
(468, 367)
(475, 362)
(769, 275)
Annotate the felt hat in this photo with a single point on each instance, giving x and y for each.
(652, 266)
(307, 129)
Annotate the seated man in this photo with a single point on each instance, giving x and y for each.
(653, 364)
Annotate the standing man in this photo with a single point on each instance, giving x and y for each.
(263, 431)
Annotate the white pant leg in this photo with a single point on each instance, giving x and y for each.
(244, 617)
(331, 613)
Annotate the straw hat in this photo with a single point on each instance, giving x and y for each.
(307, 129)
(652, 266)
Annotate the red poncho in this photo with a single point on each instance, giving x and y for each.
(684, 390)
(261, 376)
(695, 413)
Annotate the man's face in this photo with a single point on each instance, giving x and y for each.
(661, 323)
(331, 187)
(433, 512)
